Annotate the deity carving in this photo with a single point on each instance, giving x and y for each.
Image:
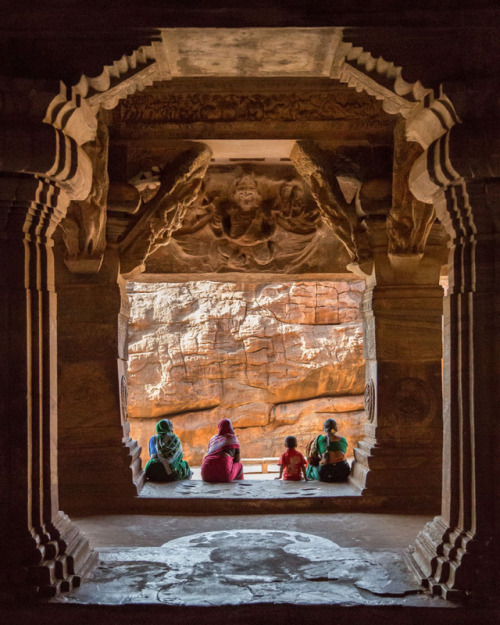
(296, 214)
(321, 170)
(180, 183)
(123, 399)
(247, 220)
(243, 228)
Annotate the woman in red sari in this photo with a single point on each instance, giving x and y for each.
(222, 462)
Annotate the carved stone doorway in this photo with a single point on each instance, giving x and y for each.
(437, 170)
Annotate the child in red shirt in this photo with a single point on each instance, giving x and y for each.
(292, 463)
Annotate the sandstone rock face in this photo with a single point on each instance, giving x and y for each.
(277, 359)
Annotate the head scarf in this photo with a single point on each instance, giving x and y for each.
(225, 439)
(168, 444)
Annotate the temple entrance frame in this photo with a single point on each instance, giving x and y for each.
(455, 553)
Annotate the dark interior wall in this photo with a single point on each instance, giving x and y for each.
(434, 42)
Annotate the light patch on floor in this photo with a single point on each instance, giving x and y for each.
(244, 566)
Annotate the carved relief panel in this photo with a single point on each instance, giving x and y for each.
(251, 218)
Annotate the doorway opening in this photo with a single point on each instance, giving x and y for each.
(277, 358)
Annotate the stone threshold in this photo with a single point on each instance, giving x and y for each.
(245, 497)
(265, 497)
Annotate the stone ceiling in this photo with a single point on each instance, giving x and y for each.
(432, 41)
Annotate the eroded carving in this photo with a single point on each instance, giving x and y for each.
(123, 399)
(370, 400)
(251, 218)
(410, 221)
(84, 228)
(412, 399)
(180, 108)
(341, 216)
(180, 183)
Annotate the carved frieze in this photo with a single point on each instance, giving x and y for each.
(251, 219)
(197, 106)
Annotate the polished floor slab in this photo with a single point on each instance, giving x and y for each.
(251, 570)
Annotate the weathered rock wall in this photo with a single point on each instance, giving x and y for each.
(277, 359)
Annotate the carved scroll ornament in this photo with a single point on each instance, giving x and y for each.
(410, 221)
(84, 228)
(335, 211)
(180, 183)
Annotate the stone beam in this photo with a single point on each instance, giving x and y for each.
(40, 149)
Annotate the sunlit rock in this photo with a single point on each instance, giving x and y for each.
(277, 359)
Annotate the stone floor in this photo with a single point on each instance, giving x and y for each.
(265, 569)
(345, 559)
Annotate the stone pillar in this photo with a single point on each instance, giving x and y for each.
(99, 464)
(400, 458)
(41, 548)
(457, 553)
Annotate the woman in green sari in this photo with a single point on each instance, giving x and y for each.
(331, 448)
(165, 451)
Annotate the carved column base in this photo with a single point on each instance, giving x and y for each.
(452, 564)
(398, 472)
(56, 559)
(100, 476)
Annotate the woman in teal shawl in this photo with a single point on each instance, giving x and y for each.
(165, 451)
(331, 449)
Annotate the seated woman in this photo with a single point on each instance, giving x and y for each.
(333, 467)
(222, 462)
(165, 451)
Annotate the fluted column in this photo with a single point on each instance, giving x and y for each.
(457, 553)
(42, 548)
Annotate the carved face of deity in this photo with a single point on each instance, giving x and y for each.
(246, 195)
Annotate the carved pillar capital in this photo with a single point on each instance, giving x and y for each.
(84, 228)
(409, 221)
